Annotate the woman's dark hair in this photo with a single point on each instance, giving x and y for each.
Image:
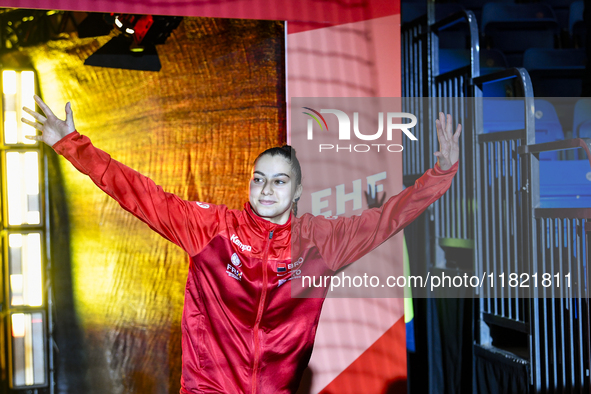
(289, 153)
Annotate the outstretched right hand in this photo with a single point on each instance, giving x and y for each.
(52, 129)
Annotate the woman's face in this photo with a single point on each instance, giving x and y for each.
(273, 188)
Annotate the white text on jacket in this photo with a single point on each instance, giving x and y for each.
(243, 247)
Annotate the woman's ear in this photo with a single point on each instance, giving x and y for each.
(298, 193)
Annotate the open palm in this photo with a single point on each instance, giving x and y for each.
(449, 146)
(52, 128)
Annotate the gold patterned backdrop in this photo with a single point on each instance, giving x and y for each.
(195, 128)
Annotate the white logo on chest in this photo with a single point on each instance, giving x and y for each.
(236, 241)
(233, 272)
(236, 260)
(294, 269)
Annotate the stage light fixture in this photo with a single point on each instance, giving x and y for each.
(135, 47)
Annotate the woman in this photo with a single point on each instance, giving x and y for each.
(243, 332)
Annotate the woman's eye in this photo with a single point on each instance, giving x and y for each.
(279, 182)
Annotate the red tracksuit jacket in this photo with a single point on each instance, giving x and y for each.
(242, 332)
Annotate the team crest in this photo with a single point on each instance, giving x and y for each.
(236, 260)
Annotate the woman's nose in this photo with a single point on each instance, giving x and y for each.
(267, 189)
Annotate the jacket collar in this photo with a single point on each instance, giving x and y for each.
(265, 226)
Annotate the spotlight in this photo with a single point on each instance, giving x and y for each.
(94, 25)
(119, 53)
(135, 47)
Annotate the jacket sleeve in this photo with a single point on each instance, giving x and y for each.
(191, 225)
(342, 241)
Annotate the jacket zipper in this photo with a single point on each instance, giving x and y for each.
(260, 315)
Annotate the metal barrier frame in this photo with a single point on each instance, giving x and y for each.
(561, 350)
(493, 210)
(503, 190)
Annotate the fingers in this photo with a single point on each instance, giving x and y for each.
(36, 125)
(444, 127)
(439, 137)
(448, 128)
(438, 127)
(34, 137)
(369, 192)
(69, 115)
(443, 133)
(457, 133)
(46, 110)
(37, 116)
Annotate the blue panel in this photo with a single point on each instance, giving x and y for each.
(581, 118)
(565, 184)
(452, 59)
(506, 114)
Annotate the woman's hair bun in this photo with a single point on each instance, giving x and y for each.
(289, 149)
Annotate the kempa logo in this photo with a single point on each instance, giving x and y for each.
(345, 130)
(236, 241)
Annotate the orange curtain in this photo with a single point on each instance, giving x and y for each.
(195, 128)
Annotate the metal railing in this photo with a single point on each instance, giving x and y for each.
(415, 77)
(501, 182)
(560, 326)
(449, 223)
(420, 48)
(515, 235)
(493, 211)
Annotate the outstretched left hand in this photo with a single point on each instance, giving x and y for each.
(449, 147)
